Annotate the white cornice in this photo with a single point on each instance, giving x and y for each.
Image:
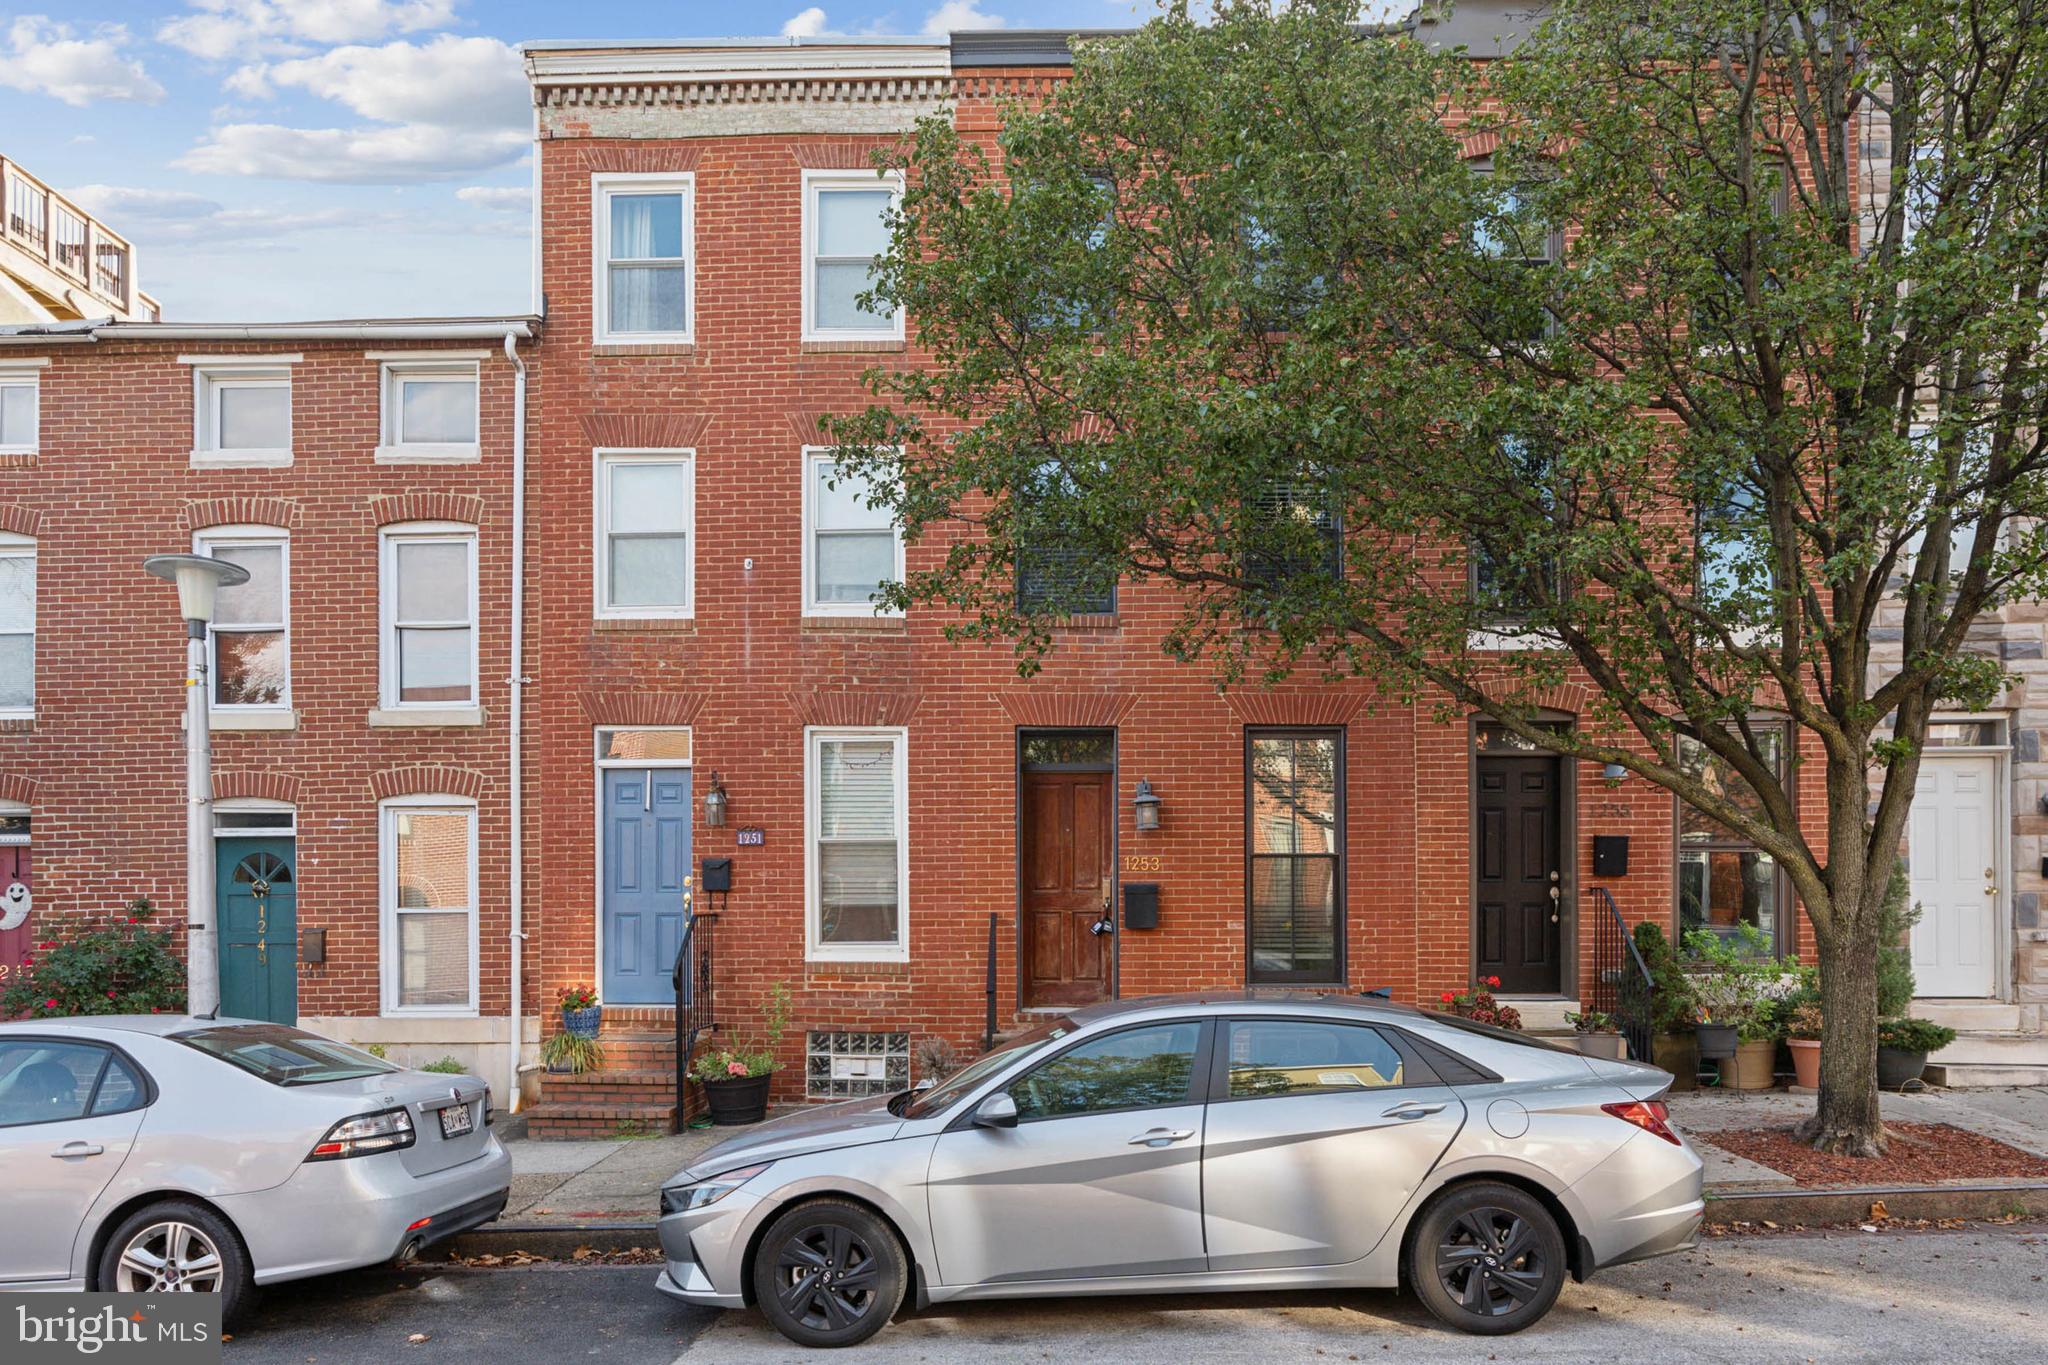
(695, 65)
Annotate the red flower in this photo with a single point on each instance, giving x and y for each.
(1448, 997)
(50, 1004)
(110, 995)
(1493, 981)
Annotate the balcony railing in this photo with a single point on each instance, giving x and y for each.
(70, 243)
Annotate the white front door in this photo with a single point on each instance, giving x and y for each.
(1953, 858)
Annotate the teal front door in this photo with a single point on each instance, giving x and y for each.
(259, 929)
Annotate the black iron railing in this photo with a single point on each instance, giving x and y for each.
(1622, 985)
(988, 1033)
(692, 978)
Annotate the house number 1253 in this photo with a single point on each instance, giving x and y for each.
(1141, 862)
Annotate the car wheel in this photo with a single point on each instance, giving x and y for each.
(1487, 1259)
(829, 1273)
(177, 1247)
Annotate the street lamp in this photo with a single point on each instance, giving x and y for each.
(199, 581)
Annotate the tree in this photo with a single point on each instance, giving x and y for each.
(1642, 375)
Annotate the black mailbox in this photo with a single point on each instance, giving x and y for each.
(1610, 855)
(717, 875)
(1141, 905)
(313, 946)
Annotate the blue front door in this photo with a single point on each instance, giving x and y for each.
(646, 858)
(256, 890)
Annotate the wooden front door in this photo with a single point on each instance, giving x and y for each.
(1516, 874)
(1066, 888)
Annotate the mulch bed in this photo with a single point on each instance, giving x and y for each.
(1919, 1154)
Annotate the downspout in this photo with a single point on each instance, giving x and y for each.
(516, 742)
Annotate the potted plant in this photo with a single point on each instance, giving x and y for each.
(1902, 1048)
(1755, 1063)
(1674, 1046)
(1727, 985)
(581, 1014)
(570, 1054)
(1596, 1034)
(1478, 1004)
(736, 1079)
(1802, 1035)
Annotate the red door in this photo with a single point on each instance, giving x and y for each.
(1066, 886)
(14, 902)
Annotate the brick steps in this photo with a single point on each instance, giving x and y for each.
(636, 1091)
(613, 1087)
(556, 1121)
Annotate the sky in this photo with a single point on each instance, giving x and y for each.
(285, 160)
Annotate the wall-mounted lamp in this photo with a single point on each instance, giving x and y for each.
(715, 803)
(1145, 806)
(1614, 772)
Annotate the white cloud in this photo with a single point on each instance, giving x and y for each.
(154, 217)
(498, 198)
(223, 29)
(45, 57)
(956, 16)
(401, 155)
(805, 24)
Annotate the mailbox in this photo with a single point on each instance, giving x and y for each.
(1610, 855)
(313, 946)
(1141, 905)
(717, 875)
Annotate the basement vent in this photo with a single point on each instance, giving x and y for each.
(843, 1066)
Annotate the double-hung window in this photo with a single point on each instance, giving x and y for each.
(428, 890)
(846, 229)
(646, 533)
(242, 411)
(252, 621)
(1294, 819)
(430, 409)
(20, 416)
(646, 274)
(856, 854)
(17, 627)
(851, 549)
(1512, 232)
(429, 608)
(1725, 882)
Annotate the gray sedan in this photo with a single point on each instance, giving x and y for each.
(1198, 1144)
(162, 1153)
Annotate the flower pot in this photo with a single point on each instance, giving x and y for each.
(583, 1023)
(1679, 1054)
(1805, 1062)
(743, 1099)
(1608, 1045)
(1896, 1066)
(1751, 1067)
(1716, 1040)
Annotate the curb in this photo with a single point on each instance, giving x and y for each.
(547, 1239)
(1900, 1201)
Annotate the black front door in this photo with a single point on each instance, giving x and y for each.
(1515, 864)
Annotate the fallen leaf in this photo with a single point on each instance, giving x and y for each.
(1877, 1212)
(418, 1338)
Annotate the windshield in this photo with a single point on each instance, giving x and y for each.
(284, 1056)
(943, 1095)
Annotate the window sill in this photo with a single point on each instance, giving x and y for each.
(428, 455)
(426, 717)
(851, 345)
(399, 1012)
(881, 625)
(628, 625)
(1505, 639)
(252, 459)
(880, 962)
(602, 348)
(251, 720)
(1093, 620)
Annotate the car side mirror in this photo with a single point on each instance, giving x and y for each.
(997, 1111)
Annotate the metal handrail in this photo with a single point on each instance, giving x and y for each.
(988, 1035)
(1633, 990)
(693, 1008)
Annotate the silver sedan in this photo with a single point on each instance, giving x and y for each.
(164, 1153)
(1198, 1144)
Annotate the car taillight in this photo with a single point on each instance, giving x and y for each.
(385, 1131)
(1648, 1115)
(487, 1106)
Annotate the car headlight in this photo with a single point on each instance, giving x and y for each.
(705, 1193)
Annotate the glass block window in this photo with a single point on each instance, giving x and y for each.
(846, 1066)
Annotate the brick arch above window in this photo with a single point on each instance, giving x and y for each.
(645, 431)
(237, 784)
(1479, 144)
(281, 512)
(1044, 708)
(646, 160)
(1321, 707)
(21, 521)
(852, 706)
(642, 708)
(857, 155)
(16, 788)
(427, 779)
(416, 505)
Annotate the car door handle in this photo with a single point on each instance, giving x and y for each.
(71, 1149)
(1412, 1110)
(1161, 1137)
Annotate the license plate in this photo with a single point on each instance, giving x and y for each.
(456, 1120)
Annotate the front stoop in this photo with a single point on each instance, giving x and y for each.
(1990, 1059)
(634, 1095)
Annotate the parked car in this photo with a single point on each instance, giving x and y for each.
(166, 1153)
(1198, 1144)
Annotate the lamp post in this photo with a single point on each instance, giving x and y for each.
(199, 581)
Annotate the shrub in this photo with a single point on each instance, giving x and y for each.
(447, 1066)
(754, 1058)
(565, 1049)
(1592, 1021)
(1914, 1035)
(1805, 1022)
(1676, 1008)
(1895, 949)
(124, 968)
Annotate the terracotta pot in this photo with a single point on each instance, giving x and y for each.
(741, 1100)
(1608, 1045)
(1805, 1062)
(1679, 1054)
(1896, 1066)
(1751, 1067)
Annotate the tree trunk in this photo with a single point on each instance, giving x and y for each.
(1847, 1121)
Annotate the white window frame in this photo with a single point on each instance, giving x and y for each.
(256, 805)
(24, 547)
(210, 375)
(602, 188)
(214, 538)
(389, 538)
(388, 911)
(814, 950)
(603, 460)
(814, 184)
(394, 371)
(812, 457)
(17, 374)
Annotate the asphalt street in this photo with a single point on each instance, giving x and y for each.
(1976, 1295)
